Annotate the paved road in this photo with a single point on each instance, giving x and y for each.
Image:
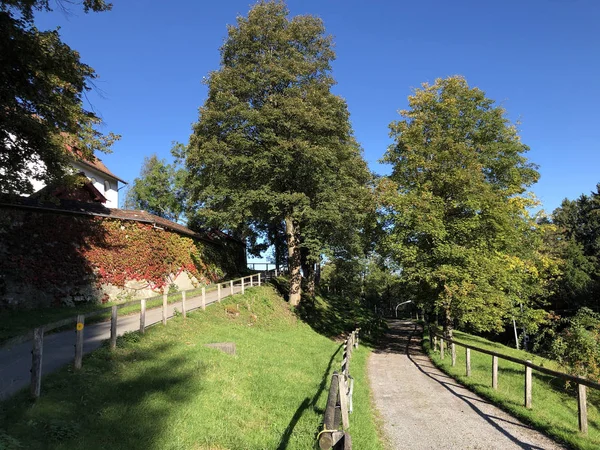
(59, 348)
(422, 408)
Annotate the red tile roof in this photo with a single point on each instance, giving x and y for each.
(98, 209)
(98, 165)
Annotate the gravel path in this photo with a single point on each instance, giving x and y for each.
(422, 408)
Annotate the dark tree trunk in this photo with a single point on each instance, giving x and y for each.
(291, 231)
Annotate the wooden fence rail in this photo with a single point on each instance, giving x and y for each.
(437, 342)
(339, 403)
(38, 333)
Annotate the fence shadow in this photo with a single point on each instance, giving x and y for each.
(402, 339)
(307, 403)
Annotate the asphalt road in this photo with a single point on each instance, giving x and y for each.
(422, 408)
(59, 348)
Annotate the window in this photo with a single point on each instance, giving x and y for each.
(106, 186)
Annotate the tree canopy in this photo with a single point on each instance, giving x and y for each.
(42, 115)
(273, 144)
(158, 190)
(457, 210)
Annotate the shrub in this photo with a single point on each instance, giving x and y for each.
(577, 346)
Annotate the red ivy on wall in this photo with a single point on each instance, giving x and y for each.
(56, 252)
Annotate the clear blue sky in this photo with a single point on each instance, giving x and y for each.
(540, 59)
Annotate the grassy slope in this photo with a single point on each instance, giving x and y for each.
(554, 408)
(166, 390)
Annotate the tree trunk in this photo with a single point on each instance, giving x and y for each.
(448, 323)
(291, 232)
(310, 279)
(274, 236)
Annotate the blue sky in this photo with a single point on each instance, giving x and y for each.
(540, 59)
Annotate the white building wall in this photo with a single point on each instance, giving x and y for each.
(99, 179)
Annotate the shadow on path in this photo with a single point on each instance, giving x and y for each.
(403, 337)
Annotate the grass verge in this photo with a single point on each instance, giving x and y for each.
(167, 390)
(554, 405)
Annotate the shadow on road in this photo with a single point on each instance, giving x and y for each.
(404, 337)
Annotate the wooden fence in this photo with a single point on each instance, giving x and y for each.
(339, 403)
(438, 343)
(224, 289)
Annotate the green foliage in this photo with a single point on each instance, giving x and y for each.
(42, 115)
(273, 143)
(456, 210)
(578, 243)
(8, 442)
(158, 190)
(577, 346)
(60, 430)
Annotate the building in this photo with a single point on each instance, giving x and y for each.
(101, 178)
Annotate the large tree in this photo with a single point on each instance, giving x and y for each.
(273, 144)
(42, 86)
(458, 217)
(158, 189)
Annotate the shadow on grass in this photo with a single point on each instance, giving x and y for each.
(307, 403)
(101, 407)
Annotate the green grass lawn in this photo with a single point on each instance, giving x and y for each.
(166, 390)
(554, 405)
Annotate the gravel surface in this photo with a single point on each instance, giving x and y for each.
(422, 408)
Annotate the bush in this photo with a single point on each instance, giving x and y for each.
(577, 346)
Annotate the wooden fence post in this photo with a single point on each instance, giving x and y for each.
(343, 402)
(468, 361)
(326, 440)
(435, 339)
(219, 292)
(113, 327)
(528, 386)
(453, 354)
(36, 362)
(164, 310)
(203, 298)
(143, 316)
(430, 338)
(79, 341)
(582, 408)
(231, 287)
(251, 280)
(243, 285)
(494, 372)
(259, 279)
(441, 348)
(183, 308)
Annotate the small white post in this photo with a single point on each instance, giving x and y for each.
(143, 316)
(243, 284)
(231, 287)
(259, 279)
(219, 292)
(203, 297)
(183, 309)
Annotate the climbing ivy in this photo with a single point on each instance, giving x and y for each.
(57, 254)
